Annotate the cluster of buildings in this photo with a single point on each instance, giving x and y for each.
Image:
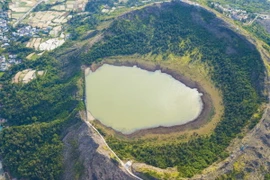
(7, 35)
(264, 16)
(26, 31)
(8, 61)
(236, 14)
(4, 30)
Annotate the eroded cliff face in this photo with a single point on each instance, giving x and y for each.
(82, 159)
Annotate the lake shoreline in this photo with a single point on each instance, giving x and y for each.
(152, 67)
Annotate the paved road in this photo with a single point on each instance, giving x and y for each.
(27, 13)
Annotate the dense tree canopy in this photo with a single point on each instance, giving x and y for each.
(37, 113)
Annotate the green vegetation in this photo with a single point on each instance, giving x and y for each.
(236, 69)
(96, 6)
(33, 151)
(38, 113)
(79, 25)
(4, 5)
(239, 173)
(1, 74)
(26, 104)
(19, 49)
(259, 31)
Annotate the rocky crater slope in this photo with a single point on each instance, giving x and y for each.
(82, 159)
(249, 158)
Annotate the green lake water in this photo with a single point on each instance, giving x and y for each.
(129, 98)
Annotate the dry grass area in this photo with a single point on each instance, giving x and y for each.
(19, 7)
(52, 21)
(16, 15)
(26, 76)
(43, 19)
(71, 5)
(41, 44)
(51, 44)
(169, 173)
(34, 43)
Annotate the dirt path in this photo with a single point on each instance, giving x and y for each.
(102, 142)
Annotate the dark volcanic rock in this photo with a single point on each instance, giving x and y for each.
(82, 161)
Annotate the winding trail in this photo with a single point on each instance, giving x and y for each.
(104, 141)
(87, 121)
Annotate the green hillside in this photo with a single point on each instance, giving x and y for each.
(236, 69)
(40, 112)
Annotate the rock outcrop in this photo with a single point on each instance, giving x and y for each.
(83, 161)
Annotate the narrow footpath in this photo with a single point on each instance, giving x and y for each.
(125, 166)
